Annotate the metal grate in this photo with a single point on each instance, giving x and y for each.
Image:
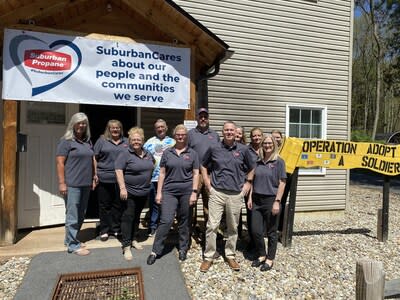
(121, 284)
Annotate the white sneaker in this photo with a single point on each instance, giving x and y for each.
(127, 253)
(137, 245)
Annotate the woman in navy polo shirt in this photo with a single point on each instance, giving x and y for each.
(106, 150)
(176, 192)
(76, 176)
(264, 201)
(133, 169)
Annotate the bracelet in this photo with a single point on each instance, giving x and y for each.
(249, 180)
(277, 200)
(195, 191)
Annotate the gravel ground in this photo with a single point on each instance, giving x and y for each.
(320, 264)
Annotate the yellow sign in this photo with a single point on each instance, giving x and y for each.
(379, 158)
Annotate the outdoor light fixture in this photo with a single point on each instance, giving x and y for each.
(109, 7)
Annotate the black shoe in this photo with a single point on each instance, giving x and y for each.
(151, 259)
(256, 263)
(152, 232)
(182, 255)
(266, 267)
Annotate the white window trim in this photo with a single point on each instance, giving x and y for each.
(304, 171)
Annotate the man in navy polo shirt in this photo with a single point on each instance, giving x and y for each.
(200, 139)
(231, 173)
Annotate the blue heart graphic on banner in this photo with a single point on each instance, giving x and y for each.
(14, 44)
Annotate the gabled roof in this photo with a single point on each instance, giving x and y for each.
(141, 20)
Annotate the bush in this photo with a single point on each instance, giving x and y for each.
(360, 136)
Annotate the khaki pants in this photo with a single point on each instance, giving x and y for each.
(231, 203)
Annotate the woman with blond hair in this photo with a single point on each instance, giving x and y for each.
(176, 192)
(264, 201)
(133, 169)
(76, 176)
(106, 150)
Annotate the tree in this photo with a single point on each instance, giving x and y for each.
(381, 18)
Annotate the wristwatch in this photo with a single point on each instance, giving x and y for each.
(249, 180)
(195, 191)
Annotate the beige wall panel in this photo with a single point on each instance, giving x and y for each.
(286, 52)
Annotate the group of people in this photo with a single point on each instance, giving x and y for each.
(172, 173)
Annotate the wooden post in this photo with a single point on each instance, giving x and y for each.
(384, 217)
(379, 225)
(370, 280)
(190, 114)
(287, 231)
(8, 222)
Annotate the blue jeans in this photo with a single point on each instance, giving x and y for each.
(154, 207)
(76, 203)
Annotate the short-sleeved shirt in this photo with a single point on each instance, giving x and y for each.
(137, 171)
(254, 154)
(267, 176)
(157, 147)
(228, 165)
(201, 141)
(106, 151)
(78, 165)
(179, 170)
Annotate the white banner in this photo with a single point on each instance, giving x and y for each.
(57, 68)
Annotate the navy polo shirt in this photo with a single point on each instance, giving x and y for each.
(254, 154)
(201, 141)
(228, 165)
(179, 170)
(137, 171)
(78, 165)
(106, 151)
(267, 176)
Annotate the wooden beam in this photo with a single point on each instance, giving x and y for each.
(384, 217)
(8, 223)
(190, 114)
(161, 19)
(30, 11)
(287, 231)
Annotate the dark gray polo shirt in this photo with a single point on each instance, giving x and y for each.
(78, 162)
(137, 171)
(254, 154)
(228, 165)
(201, 141)
(267, 176)
(179, 170)
(106, 152)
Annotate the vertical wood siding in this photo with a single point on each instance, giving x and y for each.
(292, 51)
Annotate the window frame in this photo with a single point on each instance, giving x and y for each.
(324, 117)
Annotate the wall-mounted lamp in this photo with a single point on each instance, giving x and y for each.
(109, 7)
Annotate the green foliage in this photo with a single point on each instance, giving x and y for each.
(376, 58)
(360, 136)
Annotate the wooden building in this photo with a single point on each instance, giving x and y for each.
(29, 195)
(290, 70)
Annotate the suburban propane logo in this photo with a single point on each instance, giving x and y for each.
(47, 60)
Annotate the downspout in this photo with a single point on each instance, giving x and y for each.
(202, 81)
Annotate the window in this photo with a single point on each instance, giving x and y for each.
(45, 113)
(307, 122)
